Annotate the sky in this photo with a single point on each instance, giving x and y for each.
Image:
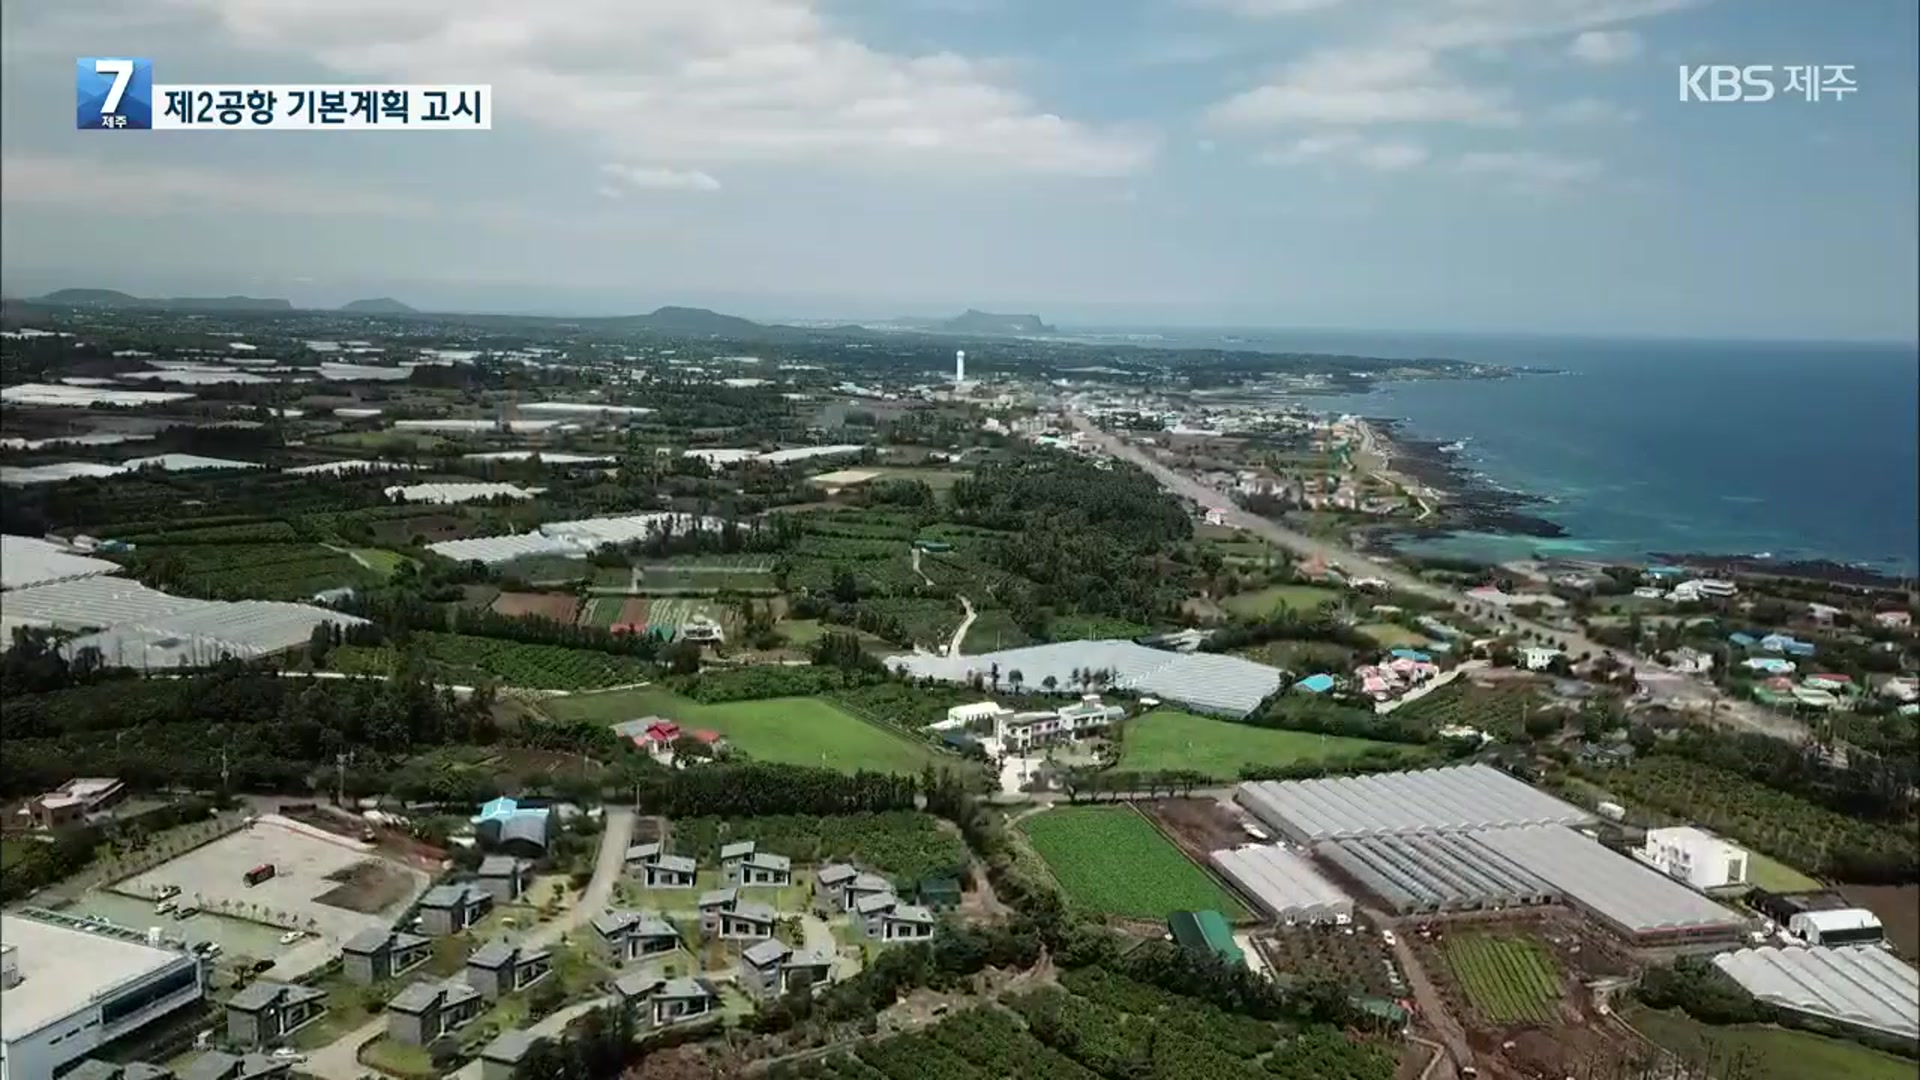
(1405, 165)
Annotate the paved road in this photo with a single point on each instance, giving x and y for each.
(1680, 685)
(339, 1060)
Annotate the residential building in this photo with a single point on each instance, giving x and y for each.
(1606, 755)
(760, 868)
(449, 909)
(219, 1065)
(504, 877)
(771, 968)
(1894, 620)
(977, 713)
(863, 885)
(1714, 588)
(372, 956)
(676, 1001)
(746, 922)
(501, 1058)
(424, 1011)
(731, 855)
(1691, 661)
(670, 872)
(499, 968)
(1070, 723)
(712, 905)
(882, 917)
(1694, 856)
(642, 855)
(634, 991)
(829, 888)
(626, 936)
(1538, 657)
(262, 1013)
(503, 825)
(69, 987)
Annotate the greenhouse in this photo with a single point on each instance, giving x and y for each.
(1284, 883)
(1625, 894)
(1439, 872)
(1455, 799)
(1863, 986)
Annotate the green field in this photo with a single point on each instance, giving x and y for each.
(1508, 979)
(1113, 861)
(1770, 1053)
(1392, 635)
(1168, 739)
(380, 560)
(1775, 876)
(601, 611)
(1267, 601)
(937, 479)
(798, 731)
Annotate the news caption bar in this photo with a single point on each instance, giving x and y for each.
(119, 94)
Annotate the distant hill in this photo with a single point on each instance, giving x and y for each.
(688, 320)
(987, 322)
(114, 298)
(385, 305)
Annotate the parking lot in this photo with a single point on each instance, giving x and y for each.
(213, 877)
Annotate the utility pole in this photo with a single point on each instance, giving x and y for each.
(340, 778)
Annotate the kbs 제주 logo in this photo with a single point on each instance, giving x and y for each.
(113, 92)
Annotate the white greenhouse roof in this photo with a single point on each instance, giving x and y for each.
(1606, 883)
(1451, 799)
(1435, 872)
(586, 408)
(188, 462)
(1863, 985)
(802, 453)
(83, 396)
(721, 457)
(582, 536)
(499, 549)
(55, 472)
(146, 628)
(1283, 882)
(550, 457)
(352, 465)
(26, 561)
(459, 493)
(1204, 681)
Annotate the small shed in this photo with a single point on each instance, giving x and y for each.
(1205, 931)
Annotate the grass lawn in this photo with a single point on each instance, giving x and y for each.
(801, 632)
(381, 561)
(11, 853)
(1776, 876)
(798, 731)
(1272, 598)
(1772, 1053)
(397, 1058)
(1392, 635)
(1169, 739)
(1113, 861)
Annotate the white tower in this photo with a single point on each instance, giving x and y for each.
(959, 366)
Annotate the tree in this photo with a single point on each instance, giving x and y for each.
(1050, 682)
(1016, 678)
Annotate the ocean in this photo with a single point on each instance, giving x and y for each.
(1802, 450)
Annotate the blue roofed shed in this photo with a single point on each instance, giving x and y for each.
(1315, 684)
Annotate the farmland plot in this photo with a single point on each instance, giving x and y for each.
(1508, 979)
(467, 660)
(1112, 861)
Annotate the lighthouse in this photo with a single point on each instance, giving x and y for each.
(959, 367)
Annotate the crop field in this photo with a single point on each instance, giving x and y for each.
(1508, 979)
(380, 560)
(1097, 1025)
(1353, 956)
(798, 731)
(467, 660)
(601, 611)
(1266, 601)
(937, 479)
(1112, 861)
(1392, 635)
(1167, 739)
(1500, 709)
(1785, 826)
(1770, 1053)
(256, 571)
(713, 576)
(559, 607)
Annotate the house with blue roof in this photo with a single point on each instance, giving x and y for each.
(521, 831)
(1744, 641)
(1414, 655)
(1315, 684)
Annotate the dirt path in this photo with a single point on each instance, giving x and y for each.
(960, 633)
(1433, 1007)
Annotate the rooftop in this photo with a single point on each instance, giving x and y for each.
(509, 1047)
(25, 560)
(1614, 886)
(1863, 985)
(63, 966)
(1429, 800)
(1209, 682)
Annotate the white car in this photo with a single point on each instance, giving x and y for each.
(291, 936)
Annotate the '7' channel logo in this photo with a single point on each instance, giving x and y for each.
(113, 92)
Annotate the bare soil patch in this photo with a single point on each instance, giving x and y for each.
(1899, 909)
(560, 607)
(369, 887)
(1197, 826)
(634, 612)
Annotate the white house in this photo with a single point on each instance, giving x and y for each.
(1691, 661)
(1538, 657)
(1694, 856)
(961, 716)
(1714, 588)
(1070, 723)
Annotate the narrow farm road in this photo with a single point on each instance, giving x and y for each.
(959, 637)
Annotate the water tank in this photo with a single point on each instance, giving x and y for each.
(1611, 811)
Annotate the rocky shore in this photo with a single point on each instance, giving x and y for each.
(1470, 504)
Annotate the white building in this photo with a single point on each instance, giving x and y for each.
(1538, 657)
(1691, 661)
(1837, 926)
(962, 715)
(1713, 587)
(1694, 856)
(70, 987)
(1018, 731)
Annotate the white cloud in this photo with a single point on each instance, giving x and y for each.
(1267, 9)
(1529, 169)
(1345, 147)
(1375, 86)
(1604, 47)
(1590, 112)
(622, 177)
(689, 83)
(128, 187)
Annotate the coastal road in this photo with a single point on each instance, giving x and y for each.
(340, 1059)
(1676, 685)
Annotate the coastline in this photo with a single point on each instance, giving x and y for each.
(1465, 502)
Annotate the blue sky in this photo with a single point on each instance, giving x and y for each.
(1470, 165)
